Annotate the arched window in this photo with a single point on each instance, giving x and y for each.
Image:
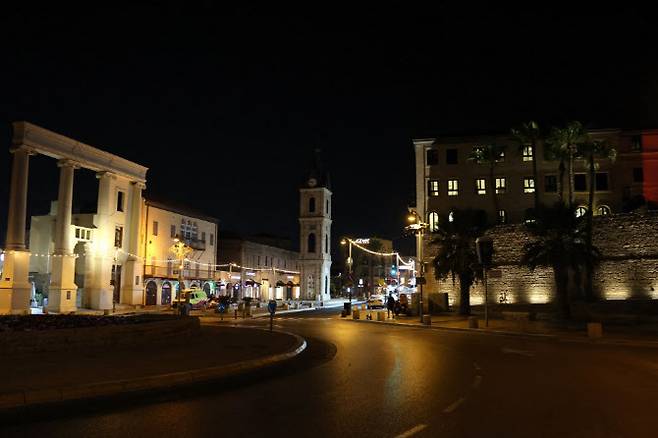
(434, 221)
(581, 211)
(311, 242)
(603, 210)
(311, 205)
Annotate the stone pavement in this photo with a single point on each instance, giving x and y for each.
(641, 335)
(48, 376)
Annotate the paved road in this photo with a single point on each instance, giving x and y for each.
(388, 381)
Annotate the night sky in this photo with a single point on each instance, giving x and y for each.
(225, 105)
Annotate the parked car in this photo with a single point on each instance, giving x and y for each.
(197, 298)
(376, 301)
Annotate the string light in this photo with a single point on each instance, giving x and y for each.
(382, 254)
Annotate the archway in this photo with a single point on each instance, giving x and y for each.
(206, 288)
(166, 293)
(151, 293)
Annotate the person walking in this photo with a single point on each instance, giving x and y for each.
(390, 304)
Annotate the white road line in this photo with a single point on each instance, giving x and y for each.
(413, 431)
(454, 406)
(514, 351)
(476, 382)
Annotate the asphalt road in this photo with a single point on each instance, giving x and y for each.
(383, 381)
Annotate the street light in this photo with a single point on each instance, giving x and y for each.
(348, 262)
(181, 250)
(418, 227)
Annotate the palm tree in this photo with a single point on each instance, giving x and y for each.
(591, 150)
(528, 134)
(564, 146)
(489, 154)
(456, 256)
(561, 245)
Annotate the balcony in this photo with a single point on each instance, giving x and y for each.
(195, 244)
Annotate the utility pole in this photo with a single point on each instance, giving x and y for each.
(417, 226)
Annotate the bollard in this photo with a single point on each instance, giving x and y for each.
(594, 330)
(381, 316)
(355, 314)
(427, 319)
(473, 322)
(363, 307)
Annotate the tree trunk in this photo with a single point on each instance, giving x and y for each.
(492, 184)
(465, 282)
(589, 268)
(561, 181)
(571, 178)
(534, 174)
(561, 276)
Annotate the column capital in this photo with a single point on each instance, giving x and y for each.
(139, 185)
(21, 147)
(105, 174)
(68, 163)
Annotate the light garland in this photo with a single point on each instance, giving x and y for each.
(382, 254)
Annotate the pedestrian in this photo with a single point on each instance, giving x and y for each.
(390, 304)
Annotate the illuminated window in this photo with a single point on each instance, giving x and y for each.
(453, 187)
(501, 157)
(550, 184)
(481, 186)
(502, 217)
(528, 184)
(433, 187)
(451, 217)
(528, 153)
(603, 210)
(434, 221)
(581, 211)
(501, 185)
(77, 233)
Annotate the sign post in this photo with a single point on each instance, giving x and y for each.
(271, 307)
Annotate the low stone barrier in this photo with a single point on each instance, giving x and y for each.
(161, 329)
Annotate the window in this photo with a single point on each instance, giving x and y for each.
(120, 199)
(601, 182)
(481, 186)
(88, 234)
(528, 153)
(603, 210)
(326, 243)
(433, 220)
(172, 231)
(203, 236)
(636, 143)
(155, 228)
(501, 157)
(433, 187)
(451, 156)
(638, 175)
(580, 182)
(451, 216)
(118, 236)
(432, 157)
(581, 211)
(77, 233)
(501, 185)
(528, 184)
(550, 184)
(212, 239)
(327, 207)
(311, 205)
(502, 217)
(453, 187)
(311, 242)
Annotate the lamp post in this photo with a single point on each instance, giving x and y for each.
(417, 226)
(348, 262)
(181, 250)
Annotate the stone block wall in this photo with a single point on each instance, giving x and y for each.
(629, 269)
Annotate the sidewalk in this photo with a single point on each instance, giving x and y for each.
(217, 352)
(644, 335)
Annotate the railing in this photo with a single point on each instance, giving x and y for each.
(173, 272)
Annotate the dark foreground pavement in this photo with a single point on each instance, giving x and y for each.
(387, 381)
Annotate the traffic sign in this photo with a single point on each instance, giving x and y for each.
(271, 306)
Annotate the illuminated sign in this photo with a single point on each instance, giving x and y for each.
(235, 277)
(251, 274)
(362, 241)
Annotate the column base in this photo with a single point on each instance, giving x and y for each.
(15, 290)
(62, 300)
(132, 289)
(100, 299)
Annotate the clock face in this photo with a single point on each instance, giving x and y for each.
(312, 182)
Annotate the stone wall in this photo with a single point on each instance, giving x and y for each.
(629, 269)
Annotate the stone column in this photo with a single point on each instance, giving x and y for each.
(132, 288)
(97, 282)
(63, 290)
(15, 289)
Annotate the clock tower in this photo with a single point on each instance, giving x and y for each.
(315, 233)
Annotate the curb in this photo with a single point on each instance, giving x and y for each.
(29, 397)
(600, 341)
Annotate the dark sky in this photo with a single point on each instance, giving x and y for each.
(226, 104)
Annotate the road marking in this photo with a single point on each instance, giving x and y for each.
(454, 406)
(414, 430)
(514, 351)
(476, 382)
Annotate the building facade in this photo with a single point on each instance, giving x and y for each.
(447, 180)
